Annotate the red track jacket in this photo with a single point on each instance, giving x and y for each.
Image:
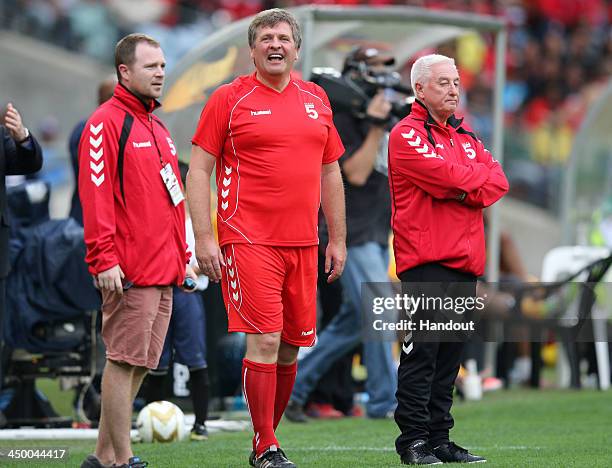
(440, 179)
(128, 216)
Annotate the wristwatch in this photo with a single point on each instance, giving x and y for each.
(27, 132)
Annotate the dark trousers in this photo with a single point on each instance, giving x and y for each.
(428, 367)
(2, 319)
(336, 385)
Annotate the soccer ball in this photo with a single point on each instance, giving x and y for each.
(161, 421)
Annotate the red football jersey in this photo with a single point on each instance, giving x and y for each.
(269, 148)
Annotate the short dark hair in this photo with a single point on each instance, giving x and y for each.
(125, 49)
(270, 18)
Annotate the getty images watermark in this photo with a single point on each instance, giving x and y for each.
(410, 304)
(505, 311)
(433, 311)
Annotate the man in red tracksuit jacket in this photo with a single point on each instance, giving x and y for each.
(441, 177)
(134, 220)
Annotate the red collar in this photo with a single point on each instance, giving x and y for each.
(420, 112)
(132, 101)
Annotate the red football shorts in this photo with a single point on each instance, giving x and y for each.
(270, 289)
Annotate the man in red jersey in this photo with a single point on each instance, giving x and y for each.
(134, 220)
(275, 148)
(441, 177)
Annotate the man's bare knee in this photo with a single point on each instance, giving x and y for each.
(263, 347)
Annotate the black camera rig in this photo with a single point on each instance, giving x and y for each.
(352, 92)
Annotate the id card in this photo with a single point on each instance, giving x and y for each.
(172, 185)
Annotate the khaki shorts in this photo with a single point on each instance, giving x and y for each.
(134, 325)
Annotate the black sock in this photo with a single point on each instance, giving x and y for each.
(154, 388)
(198, 380)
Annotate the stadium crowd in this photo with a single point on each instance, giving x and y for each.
(559, 55)
(558, 59)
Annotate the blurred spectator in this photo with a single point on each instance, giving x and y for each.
(480, 116)
(92, 26)
(105, 92)
(54, 171)
(557, 49)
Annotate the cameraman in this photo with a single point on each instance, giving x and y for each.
(368, 212)
(364, 137)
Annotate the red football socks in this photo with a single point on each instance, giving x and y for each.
(285, 378)
(258, 385)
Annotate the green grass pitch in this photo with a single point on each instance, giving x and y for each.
(518, 428)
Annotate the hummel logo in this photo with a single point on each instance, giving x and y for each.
(262, 112)
(97, 168)
(144, 144)
(97, 180)
(95, 142)
(96, 154)
(308, 333)
(96, 151)
(415, 141)
(96, 129)
(439, 145)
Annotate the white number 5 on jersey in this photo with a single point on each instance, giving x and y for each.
(171, 145)
(310, 110)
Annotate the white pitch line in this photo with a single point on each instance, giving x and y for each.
(339, 448)
(24, 434)
(508, 447)
(335, 448)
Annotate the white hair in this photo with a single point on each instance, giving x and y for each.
(421, 69)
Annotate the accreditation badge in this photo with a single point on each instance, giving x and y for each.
(172, 184)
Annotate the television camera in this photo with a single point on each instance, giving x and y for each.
(352, 90)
